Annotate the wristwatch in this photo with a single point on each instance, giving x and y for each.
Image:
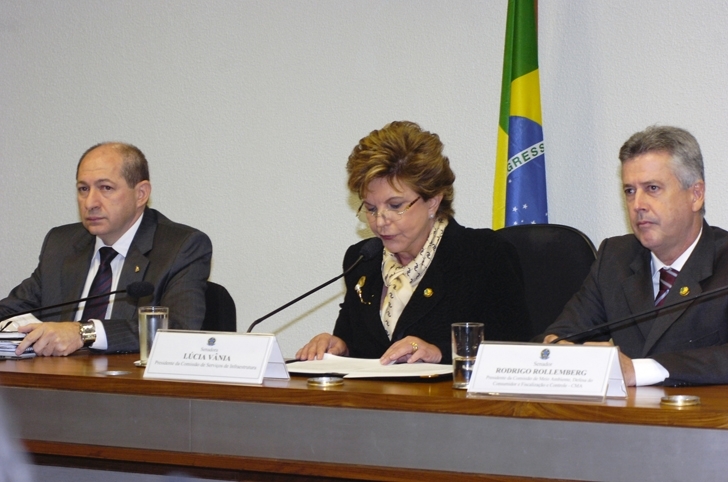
(87, 330)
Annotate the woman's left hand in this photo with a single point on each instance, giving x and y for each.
(411, 349)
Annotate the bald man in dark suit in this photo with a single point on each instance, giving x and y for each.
(113, 190)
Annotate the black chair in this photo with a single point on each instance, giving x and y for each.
(220, 312)
(555, 260)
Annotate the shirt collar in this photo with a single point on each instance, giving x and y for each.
(657, 265)
(123, 244)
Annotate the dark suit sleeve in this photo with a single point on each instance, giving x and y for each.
(185, 289)
(699, 366)
(25, 296)
(180, 279)
(29, 293)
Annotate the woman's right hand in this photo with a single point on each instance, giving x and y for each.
(320, 344)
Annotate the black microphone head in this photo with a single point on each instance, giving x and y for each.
(139, 289)
(371, 248)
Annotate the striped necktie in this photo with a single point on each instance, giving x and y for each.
(667, 278)
(96, 309)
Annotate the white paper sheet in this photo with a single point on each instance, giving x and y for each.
(11, 325)
(366, 368)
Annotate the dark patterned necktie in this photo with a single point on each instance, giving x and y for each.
(96, 309)
(667, 278)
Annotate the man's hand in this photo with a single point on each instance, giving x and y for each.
(625, 362)
(550, 338)
(630, 379)
(51, 338)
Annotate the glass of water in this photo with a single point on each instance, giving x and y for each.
(151, 319)
(466, 338)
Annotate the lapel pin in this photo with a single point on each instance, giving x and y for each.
(428, 292)
(684, 291)
(136, 269)
(359, 285)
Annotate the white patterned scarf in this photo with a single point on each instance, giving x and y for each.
(401, 281)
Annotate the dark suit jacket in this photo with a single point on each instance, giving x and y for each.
(173, 257)
(475, 276)
(688, 340)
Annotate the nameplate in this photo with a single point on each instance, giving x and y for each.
(549, 370)
(209, 356)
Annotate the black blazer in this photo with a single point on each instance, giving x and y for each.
(689, 340)
(175, 258)
(474, 276)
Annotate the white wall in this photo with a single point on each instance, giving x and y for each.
(247, 111)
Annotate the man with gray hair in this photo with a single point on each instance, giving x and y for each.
(672, 254)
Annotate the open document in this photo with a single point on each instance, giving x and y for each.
(366, 368)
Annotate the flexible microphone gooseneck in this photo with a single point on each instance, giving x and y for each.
(136, 290)
(367, 252)
(641, 314)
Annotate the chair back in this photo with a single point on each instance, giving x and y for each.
(555, 260)
(220, 314)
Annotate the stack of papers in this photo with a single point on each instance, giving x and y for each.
(10, 338)
(9, 341)
(366, 368)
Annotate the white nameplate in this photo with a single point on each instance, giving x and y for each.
(550, 370)
(215, 357)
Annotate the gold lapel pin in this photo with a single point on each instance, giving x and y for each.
(359, 285)
(684, 291)
(428, 292)
(136, 269)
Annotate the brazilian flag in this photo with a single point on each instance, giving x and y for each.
(519, 191)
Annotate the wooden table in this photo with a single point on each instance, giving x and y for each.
(98, 412)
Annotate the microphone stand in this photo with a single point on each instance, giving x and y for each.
(641, 314)
(6, 317)
(265, 317)
(135, 290)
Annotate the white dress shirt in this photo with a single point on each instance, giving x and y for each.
(646, 370)
(121, 246)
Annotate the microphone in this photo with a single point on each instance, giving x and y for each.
(367, 252)
(136, 290)
(139, 289)
(641, 314)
